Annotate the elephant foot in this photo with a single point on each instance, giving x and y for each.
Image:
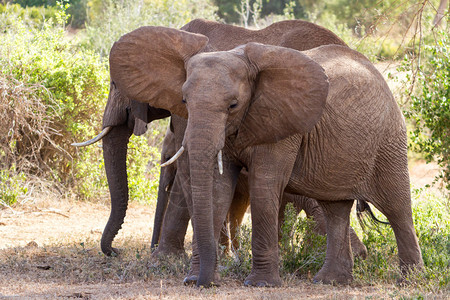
(333, 275)
(112, 252)
(192, 278)
(360, 251)
(161, 253)
(263, 280)
(408, 273)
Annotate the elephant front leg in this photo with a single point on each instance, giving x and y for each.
(269, 173)
(339, 260)
(265, 267)
(266, 186)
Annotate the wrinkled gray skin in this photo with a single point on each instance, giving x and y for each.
(127, 116)
(166, 180)
(174, 230)
(115, 153)
(320, 123)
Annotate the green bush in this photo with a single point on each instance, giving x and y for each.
(12, 186)
(113, 18)
(430, 108)
(239, 264)
(34, 15)
(53, 93)
(301, 249)
(431, 215)
(76, 9)
(73, 87)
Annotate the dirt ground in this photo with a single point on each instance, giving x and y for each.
(42, 240)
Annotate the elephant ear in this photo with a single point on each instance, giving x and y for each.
(147, 65)
(144, 114)
(289, 97)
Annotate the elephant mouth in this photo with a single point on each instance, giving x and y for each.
(181, 150)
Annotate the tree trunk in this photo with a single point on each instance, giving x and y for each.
(440, 12)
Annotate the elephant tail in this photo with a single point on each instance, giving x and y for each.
(364, 212)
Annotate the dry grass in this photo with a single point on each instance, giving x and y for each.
(73, 271)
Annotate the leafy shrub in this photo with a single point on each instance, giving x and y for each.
(11, 186)
(32, 14)
(49, 85)
(113, 18)
(76, 9)
(430, 215)
(301, 249)
(430, 108)
(73, 85)
(239, 264)
(52, 93)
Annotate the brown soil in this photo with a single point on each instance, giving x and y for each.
(50, 249)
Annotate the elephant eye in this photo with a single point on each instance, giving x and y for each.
(183, 100)
(233, 104)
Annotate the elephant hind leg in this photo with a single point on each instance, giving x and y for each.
(338, 260)
(391, 195)
(313, 210)
(399, 215)
(239, 205)
(358, 248)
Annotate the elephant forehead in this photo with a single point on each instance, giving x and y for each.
(217, 63)
(211, 74)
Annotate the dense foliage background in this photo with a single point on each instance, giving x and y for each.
(54, 82)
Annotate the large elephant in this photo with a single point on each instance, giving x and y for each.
(320, 123)
(172, 237)
(124, 116)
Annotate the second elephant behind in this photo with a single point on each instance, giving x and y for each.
(172, 216)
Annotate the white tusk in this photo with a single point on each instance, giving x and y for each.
(219, 162)
(174, 158)
(101, 135)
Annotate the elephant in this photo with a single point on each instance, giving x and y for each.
(124, 116)
(320, 123)
(174, 232)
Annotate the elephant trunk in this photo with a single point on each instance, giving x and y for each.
(114, 154)
(202, 191)
(166, 179)
(204, 140)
